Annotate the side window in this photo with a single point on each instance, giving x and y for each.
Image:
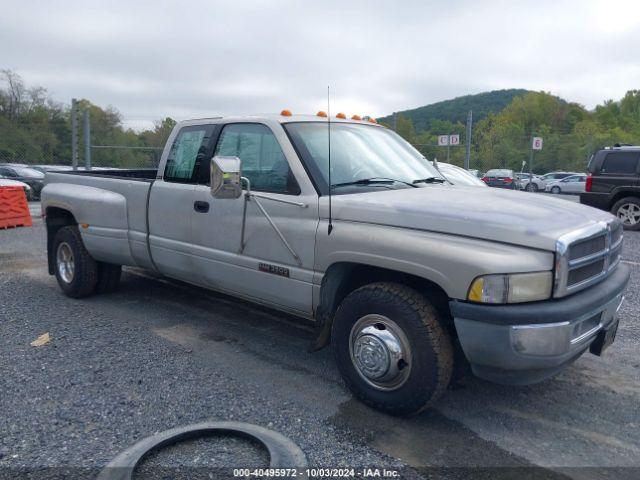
(625, 163)
(188, 151)
(263, 162)
(5, 172)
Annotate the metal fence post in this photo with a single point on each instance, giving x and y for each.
(467, 157)
(448, 145)
(74, 133)
(87, 139)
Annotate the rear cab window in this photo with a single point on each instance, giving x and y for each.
(190, 149)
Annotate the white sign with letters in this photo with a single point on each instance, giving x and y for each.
(443, 140)
(454, 140)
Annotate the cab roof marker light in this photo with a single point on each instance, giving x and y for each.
(341, 115)
(285, 113)
(356, 117)
(321, 114)
(373, 120)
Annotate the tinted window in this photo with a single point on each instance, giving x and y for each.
(188, 150)
(620, 162)
(263, 162)
(6, 172)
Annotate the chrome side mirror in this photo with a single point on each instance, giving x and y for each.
(226, 173)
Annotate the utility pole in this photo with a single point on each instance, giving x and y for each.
(74, 133)
(86, 127)
(531, 158)
(467, 158)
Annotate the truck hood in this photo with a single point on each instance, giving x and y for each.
(520, 218)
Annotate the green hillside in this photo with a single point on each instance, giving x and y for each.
(455, 110)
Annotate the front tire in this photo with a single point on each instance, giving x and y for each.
(76, 270)
(628, 211)
(532, 187)
(555, 190)
(391, 350)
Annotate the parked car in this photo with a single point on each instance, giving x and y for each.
(530, 183)
(459, 176)
(574, 184)
(6, 182)
(613, 184)
(501, 178)
(51, 168)
(553, 176)
(403, 274)
(31, 177)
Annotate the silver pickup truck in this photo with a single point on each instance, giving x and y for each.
(408, 277)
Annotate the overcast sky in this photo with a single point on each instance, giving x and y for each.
(198, 58)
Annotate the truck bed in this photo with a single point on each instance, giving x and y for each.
(111, 207)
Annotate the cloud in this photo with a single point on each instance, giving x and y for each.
(199, 58)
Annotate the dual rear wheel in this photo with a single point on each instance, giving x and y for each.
(78, 274)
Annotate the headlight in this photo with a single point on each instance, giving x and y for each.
(511, 288)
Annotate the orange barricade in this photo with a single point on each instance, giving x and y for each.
(14, 209)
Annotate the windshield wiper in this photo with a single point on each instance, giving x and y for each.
(430, 180)
(372, 181)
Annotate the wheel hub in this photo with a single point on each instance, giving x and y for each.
(629, 214)
(65, 262)
(380, 352)
(372, 355)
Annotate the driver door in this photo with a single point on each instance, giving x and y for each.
(263, 266)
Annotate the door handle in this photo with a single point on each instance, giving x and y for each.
(201, 207)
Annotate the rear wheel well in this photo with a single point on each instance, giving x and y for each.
(620, 195)
(342, 278)
(56, 218)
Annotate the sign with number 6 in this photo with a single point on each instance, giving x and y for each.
(537, 143)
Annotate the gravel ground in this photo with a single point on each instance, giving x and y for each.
(160, 354)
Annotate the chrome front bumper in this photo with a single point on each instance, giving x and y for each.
(527, 343)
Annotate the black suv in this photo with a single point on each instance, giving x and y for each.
(613, 183)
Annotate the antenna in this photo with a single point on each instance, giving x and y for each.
(329, 144)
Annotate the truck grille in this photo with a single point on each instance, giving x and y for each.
(587, 256)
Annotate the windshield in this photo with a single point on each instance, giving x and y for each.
(358, 152)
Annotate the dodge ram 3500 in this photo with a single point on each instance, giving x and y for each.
(406, 276)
